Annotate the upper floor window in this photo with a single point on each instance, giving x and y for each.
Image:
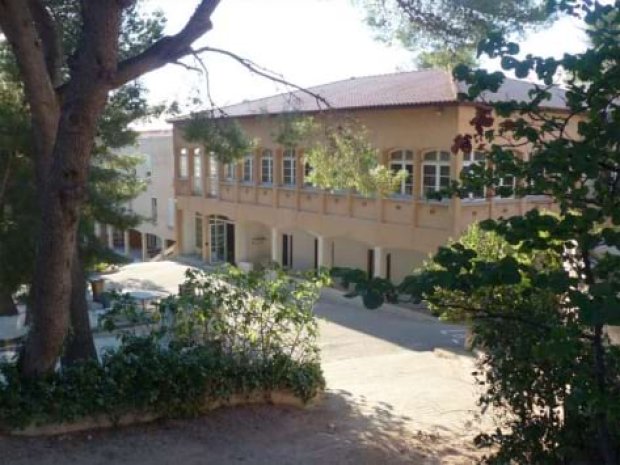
(183, 166)
(469, 160)
(266, 167)
(508, 182)
(148, 165)
(229, 171)
(307, 173)
(213, 175)
(248, 168)
(435, 171)
(403, 160)
(289, 168)
(197, 171)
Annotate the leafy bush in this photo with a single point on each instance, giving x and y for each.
(373, 291)
(534, 364)
(229, 333)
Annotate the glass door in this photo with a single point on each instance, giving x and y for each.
(218, 241)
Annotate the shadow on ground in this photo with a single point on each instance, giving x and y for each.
(404, 327)
(342, 430)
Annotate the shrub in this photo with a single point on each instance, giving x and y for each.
(233, 333)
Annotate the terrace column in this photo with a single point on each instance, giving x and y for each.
(110, 231)
(145, 250)
(126, 243)
(98, 230)
(456, 207)
(324, 252)
(241, 242)
(276, 246)
(379, 264)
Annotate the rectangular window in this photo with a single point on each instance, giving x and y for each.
(248, 168)
(435, 177)
(289, 168)
(508, 181)
(406, 186)
(183, 167)
(197, 172)
(429, 179)
(213, 175)
(469, 161)
(267, 170)
(229, 171)
(154, 210)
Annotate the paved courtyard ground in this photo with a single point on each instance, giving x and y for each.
(399, 392)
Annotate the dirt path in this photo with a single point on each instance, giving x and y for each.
(399, 392)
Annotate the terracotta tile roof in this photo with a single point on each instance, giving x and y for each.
(382, 91)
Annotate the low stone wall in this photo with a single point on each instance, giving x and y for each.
(277, 398)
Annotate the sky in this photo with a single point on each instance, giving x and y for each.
(308, 42)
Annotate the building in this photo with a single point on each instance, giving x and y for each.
(261, 210)
(156, 235)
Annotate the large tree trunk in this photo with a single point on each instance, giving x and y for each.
(84, 101)
(57, 237)
(80, 345)
(64, 138)
(7, 304)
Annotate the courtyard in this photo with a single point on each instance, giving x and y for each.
(399, 390)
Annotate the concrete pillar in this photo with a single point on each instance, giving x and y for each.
(206, 239)
(455, 203)
(379, 262)
(98, 231)
(126, 243)
(111, 237)
(324, 252)
(276, 246)
(145, 250)
(241, 243)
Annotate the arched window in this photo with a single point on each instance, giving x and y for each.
(469, 160)
(266, 167)
(435, 171)
(183, 167)
(289, 168)
(248, 167)
(403, 160)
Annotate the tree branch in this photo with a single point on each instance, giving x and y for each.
(168, 49)
(50, 38)
(256, 69)
(18, 25)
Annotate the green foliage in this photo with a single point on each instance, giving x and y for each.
(294, 130)
(538, 290)
(219, 135)
(539, 307)
(340, 156)
(373, 291)
(112, 178)
(447, 31)
(446, 59)
(227, 333)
